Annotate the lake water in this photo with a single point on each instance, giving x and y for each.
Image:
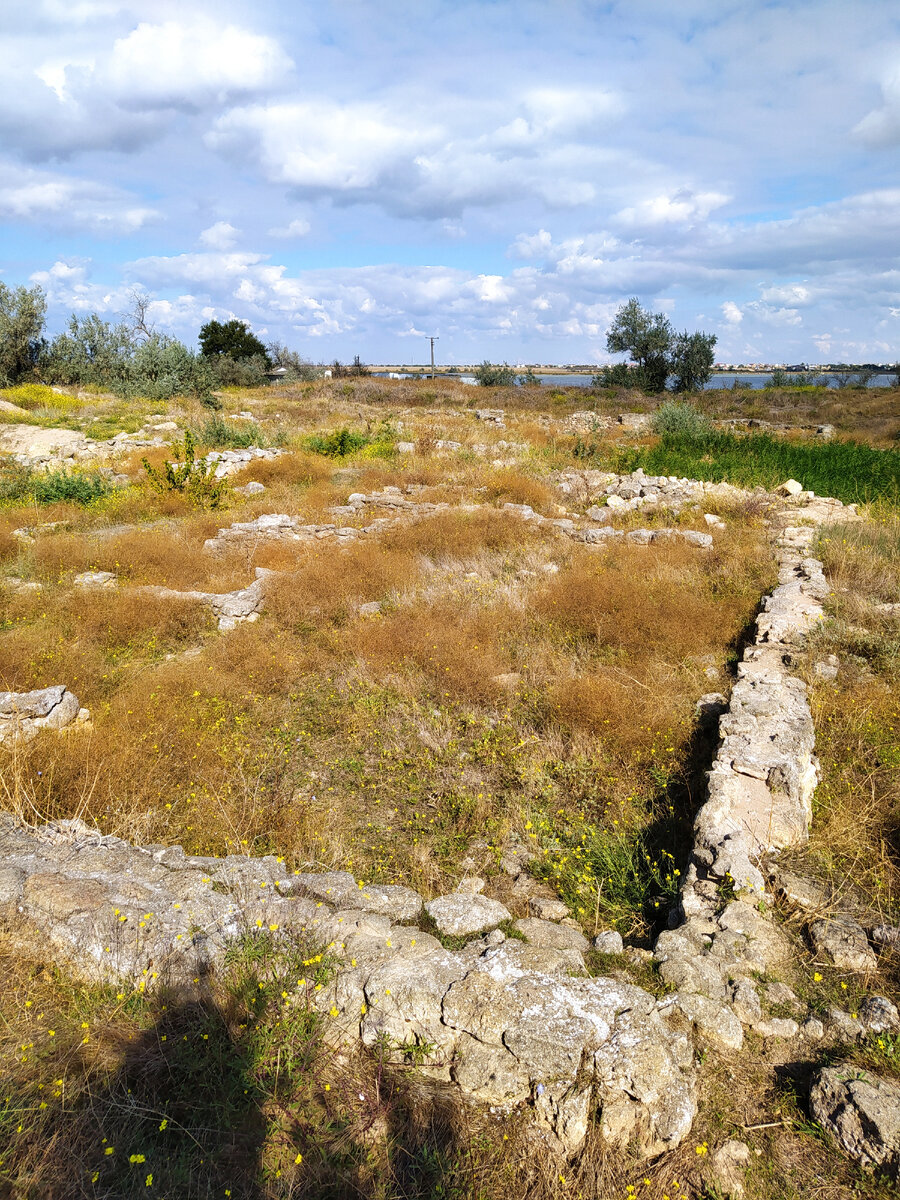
(724, 380)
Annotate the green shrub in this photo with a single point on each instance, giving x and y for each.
(20, 483)
(192, 478)
(219, 435)
(681, 419)
(494, 375)
(342, 442)
(56, 487)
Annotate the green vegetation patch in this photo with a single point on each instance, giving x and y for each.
(849, 471)
(20, 483)
(341, 443)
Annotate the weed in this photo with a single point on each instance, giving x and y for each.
(188, 476)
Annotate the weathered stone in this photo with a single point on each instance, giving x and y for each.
(727, 1167)
(800, 892)
(843, 1026)
(861, 1111)
(546, 933)
(877, 1014)
(844, 941)
(745, 1002)
(609, 942)
(547, 909)
(715, 1022)
(812, 1029)
(470, 885)
(458, 915)
(777, 1027)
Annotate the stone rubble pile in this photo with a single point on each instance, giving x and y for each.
(510, 1023)
(229, 462)
(24, 714)
(759, 802)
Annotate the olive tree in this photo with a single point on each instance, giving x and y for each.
(657, 352)
(22, 312)
(647, 337)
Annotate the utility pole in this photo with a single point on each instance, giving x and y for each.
(433, 340)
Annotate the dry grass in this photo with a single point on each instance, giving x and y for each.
(327, 584)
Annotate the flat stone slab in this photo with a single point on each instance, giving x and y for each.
(458, 915)
(546, 933)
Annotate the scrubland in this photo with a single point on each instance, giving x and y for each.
(514, 683)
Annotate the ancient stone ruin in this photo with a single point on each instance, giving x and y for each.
(508, 1015)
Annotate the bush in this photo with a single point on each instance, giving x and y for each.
(493, 375)
(194, 479)
(680, 419)
(219, 435)
(19, 483)
(342, 442)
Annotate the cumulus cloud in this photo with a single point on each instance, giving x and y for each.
(297, 228)
(731, 313)
(45, 198)
(189, 63)
(682, 207)
(220, 236)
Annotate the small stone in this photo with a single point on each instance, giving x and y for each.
(615, 501)
(457, 915)
(844, 1027)
(877, 1014)
(745, 1002)
(825, 670)
(712, 704)
(789, 488)
(405, 447)
(547, 909)
(844, 940)
(713, 521)
(470, 885)
(495, 938)
(370, 609)
(95, 579)
(886, 935)
(253, 488)
(609, 942)
(780, 993)
(714, 1021)
(780, 1027)
(694, 537)
(726, 1168)
(802, 893)
(812, 1029)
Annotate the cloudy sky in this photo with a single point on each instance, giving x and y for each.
(350, 175)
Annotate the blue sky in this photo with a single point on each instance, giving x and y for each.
(351, 176)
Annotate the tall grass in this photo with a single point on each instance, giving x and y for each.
(849, 471)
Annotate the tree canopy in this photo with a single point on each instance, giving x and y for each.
(657, 352)
(232, 339)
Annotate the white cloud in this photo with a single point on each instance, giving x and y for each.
(220, 236)
(194, 62)
(320, 144)
(297, 228)
(683, 207)
(731, 313)
(43, 197)
(881, 127)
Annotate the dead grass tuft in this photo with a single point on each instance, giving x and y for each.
(514, 487)
(329, 582)
(448, 536)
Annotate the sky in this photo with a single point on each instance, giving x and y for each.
(354, 175)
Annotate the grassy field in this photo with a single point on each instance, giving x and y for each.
(514, 682)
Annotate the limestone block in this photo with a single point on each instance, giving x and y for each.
(458, 915)
(861, 1111)
(844, 941)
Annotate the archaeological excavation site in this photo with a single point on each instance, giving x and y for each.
(407, 798)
